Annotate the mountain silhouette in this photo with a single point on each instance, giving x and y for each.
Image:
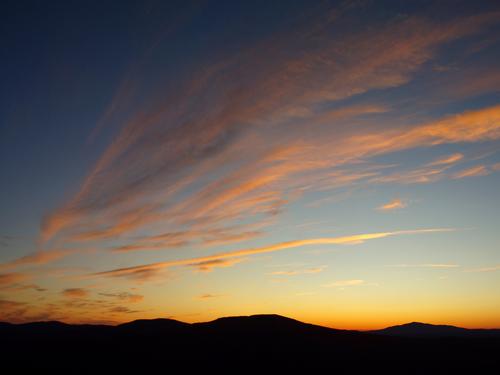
(269, 324)
(256, 343)
(417, 329)
(154, 326)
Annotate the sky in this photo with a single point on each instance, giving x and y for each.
(336, 162)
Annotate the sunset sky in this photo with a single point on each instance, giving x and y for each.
(333, 162)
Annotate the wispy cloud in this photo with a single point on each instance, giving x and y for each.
(425, 265)
(19, 287)
(122, 310)
(208, 296)
(203, 238)
(37, 258)
(344, 283)
(304, 271)
(12, 311)
(420, 175)
(478, 170)
(450, 159)
(237, 137)
(395, 204)
(485, 269)
(124, 296)
(207, 263)
(75, 293)
(8, 279)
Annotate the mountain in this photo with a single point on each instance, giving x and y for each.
(257, 343)
(270, 324)
(153, 327)
(417, 329)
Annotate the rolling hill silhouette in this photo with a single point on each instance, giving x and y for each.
(417, 329)
(254, 343)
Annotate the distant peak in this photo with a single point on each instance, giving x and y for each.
(153, 322)
(417, 324)
(426, 325)
(269, 317)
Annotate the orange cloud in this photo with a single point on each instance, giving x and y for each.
(299, 272)
(209, 265)
(37, 258)
(225, 239)
(124, 296)
(7, 279)
(16, 287)
(479, 170)
(75, 293)
(450, 159)
(13, 311)
(209, 296)
(231, 129)
(470, 126)
(395, 204)
(122, 310)
(206, 263)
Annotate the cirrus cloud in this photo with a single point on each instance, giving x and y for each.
(75, 293)
(206, 263)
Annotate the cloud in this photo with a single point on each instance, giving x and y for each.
(21, 286)
(37, 258)
(485, 269)
(207, 238)
(478, 170)
(225, 239)
(450, 159)
(299, 272)
(470, 126)
(10, 279)
(5, 304)
(422, 175)
(124, 296)
(122, 310)
(145, 274)
(426, 265)
(13, 311)
(343, 283)
(232, 142)
(75, 293)
(207, 263)
(395, 204)
(209, 296)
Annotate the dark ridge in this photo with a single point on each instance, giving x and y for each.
(417, 329)
(256, 343)
(264, 323)
(153, 326)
